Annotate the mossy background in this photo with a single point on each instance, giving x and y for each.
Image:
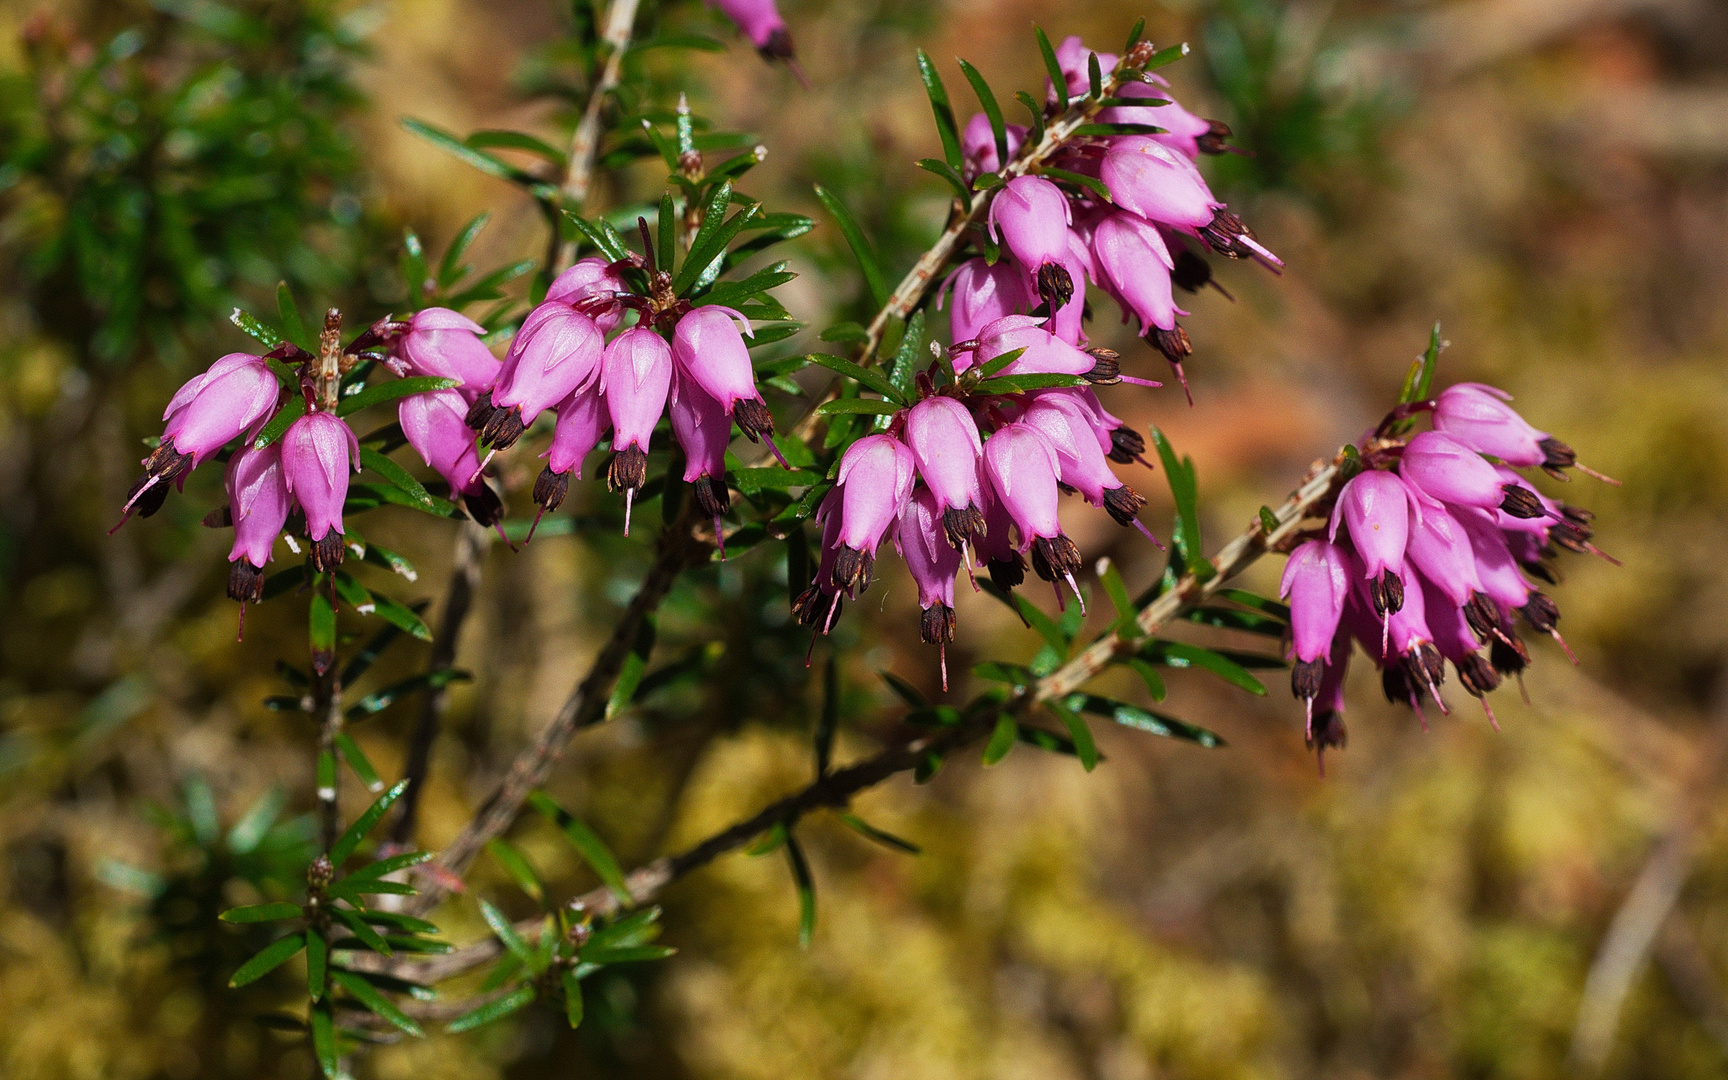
(1547, 179)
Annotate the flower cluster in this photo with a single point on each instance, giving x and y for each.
(561, 362)
(1057, 232)
(1425, 558)
(961, 477)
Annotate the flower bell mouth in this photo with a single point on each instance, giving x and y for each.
(1230, 237)
(1214, 141)
(1305, 678)
(627, 473)
(1176, 347)
(1055, 285)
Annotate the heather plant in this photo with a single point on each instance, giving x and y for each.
(644, 347)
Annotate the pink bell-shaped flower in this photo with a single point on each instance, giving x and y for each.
(1478, 416)
(211, 410)
(979, 294)
(318, 452)
(1082, 465)
(703, 429)
(875, 479)
(1044, 351)
(636, 378)
(435, 427)
(258, 505)
(947, 450)
(1446, 469)
(447, 344)
(556, 353)
(1375, 509)
(932, 561)
(1439, 547)
(710, 350)
(590, 286)
(760, 23)
(1134, 265)
(1157, 183)
(1030, 217)
(1317, 580)
(582, 422)
(1022, 468)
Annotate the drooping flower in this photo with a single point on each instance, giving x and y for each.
(435, 427)
(711, 351)
(1374, 509)
(979, 294)
(318, 451)
(448, 345)
(556, 352)
(1446, 469)
(1316, 582)
(760, 23)
(1478, 416)
(932, 561)
(590, 286)
(947, 451)
(1022, 468)
(1030, 216)
(582, 422)
(874, 479)
(1082, 466)
(1157, 183)
(703, 429)
(211, 410)
(258, 506)
(636, 379)
(1044, 351)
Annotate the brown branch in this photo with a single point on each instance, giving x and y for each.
(837, 788)
(585, 141)
(586, 705)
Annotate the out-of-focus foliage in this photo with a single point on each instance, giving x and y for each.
(1549, 185)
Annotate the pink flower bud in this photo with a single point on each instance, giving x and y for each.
(213, 409)
(978, 145)
(1496, 569)
(1444, 468)
(981, 294)
(703, 429)
(947, 450)
(556, 352)
(258, 502)
(1440, 549)
(1317, 579)
(446, 344)
(590, 283)
(931, 560)
(317, 452)
(1157, 183)
(636, 377)
(436, 430)
(1045, 352)
(1479, 418)
(1134, 265)
(1081, 463)
(1030, 216)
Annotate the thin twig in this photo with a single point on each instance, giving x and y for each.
(837, 788)
(586, 705)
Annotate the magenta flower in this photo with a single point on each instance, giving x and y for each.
(1325, 727)
(1157, 183)
(582, 422)
(1374, 509)
(1316, 583)
(978, 145)
(556, 353)
(446, 344)
(703, 429)
(875, 478)
(1030, 216)
(1439, 547)
(636, 377)
(1457, 642)
(258, 505)
(979, 295)
(1478, 416)
(1081, 462)
(1044, 351)
(207, 413)
(435, 426)
(1446, 469)
(947, 450)
(318, 450)
(932, 561)
(1022, 468)
(1119, 442)
(589, 286)
(1496, 569)
(819, 605)
(760, 23)
(1134, 265)
(997, 548)
(711, 351)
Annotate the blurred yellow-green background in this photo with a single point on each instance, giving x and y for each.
(1546, 178)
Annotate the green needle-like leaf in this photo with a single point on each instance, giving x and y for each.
(945, 125)
(588, 845)
(374, 999)
(257, 913)
(350, 839)
(493, 1010)
(861, 250)
(273, 956)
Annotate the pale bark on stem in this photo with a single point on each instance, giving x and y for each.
(837, 788)
(585, 142)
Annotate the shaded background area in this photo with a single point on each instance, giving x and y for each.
(1548, 179)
